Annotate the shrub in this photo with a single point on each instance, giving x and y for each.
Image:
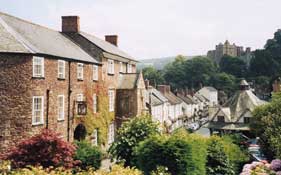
(129, 135)
(181, 153)
(45, 149)
(217, 160)
(88, 155)
(276, 165)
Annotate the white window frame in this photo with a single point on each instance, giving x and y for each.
(129, 68)
(111, 100)
(110, 66)
(80, 97)
(111, 133)
(61, 69)
(37, 61)
(121, 67)
(95, 72)
(80, 71)
(95, 103)
(61, 108)
(95, 136)
(34, 122)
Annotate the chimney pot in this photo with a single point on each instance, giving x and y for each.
(70, 24)
(113, 39)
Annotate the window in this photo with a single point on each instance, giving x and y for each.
(110, 67)
(95, 72)
(38, 67)
(247, 119)
(121, 67)
(95, 104)
(37, 110)
(129, 68)
(61, 107)
(95, 137)
(80, 97)
(80, 71)
(111, 131)
(61, 69)
(221, 119)
(111, 100)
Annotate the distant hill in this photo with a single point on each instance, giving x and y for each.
(158, 63)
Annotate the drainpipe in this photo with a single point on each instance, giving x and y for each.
(47, 110)
(68, 104)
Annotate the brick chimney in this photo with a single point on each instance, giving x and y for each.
(70, 24)
(146, 82)
(113, 39)
(164, 88)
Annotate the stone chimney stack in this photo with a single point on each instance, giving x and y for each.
(164, 88)
(146, 82)
(70, 24)
(113, 39)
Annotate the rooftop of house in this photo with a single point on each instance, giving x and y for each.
(21, 36)
(157, 98)
(128, 80)
(187, 99)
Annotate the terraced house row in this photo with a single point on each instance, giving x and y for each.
(68, 81)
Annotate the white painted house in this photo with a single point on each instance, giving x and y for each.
(209, 93)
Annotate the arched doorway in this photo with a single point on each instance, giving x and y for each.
(80, 132)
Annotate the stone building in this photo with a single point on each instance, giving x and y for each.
(60, 81)
(230, 50)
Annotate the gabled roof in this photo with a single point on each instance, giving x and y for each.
(20, 36)
(157, 94)
(129, 80)
(172, 98)
(241, 101)
(187, 99)
(106, 46)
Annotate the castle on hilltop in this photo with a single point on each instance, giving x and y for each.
(230, 50)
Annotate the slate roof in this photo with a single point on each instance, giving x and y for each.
(187, 99)
(157, 98)
(128, 81)
(20, 36)
(106, 46)
(172, 98)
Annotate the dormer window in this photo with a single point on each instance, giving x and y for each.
(38, 66)
(110, 67)
(80, 71)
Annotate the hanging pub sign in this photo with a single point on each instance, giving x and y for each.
(81, 108)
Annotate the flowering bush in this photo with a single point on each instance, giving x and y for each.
(45, 149)
(262, 168)
(276, 165)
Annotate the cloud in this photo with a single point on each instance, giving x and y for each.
(156, 28)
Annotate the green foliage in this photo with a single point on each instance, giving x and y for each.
(89, 156)
(233, 66)
(266, 124)
(218, 161)
(225, 82)
(129, 135)
(154, 76)
(192, 73)
(181, 153)
(160, 170)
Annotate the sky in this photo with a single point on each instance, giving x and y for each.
(161, 28)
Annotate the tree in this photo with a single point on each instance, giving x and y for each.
(129, 135)
(217, 160)
(153, 75)
(266, 124)
(225, 82)
(45, 149)
(233, 66)
(88, 155)
(174, 72)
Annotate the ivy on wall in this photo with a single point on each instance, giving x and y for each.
(102, 118)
